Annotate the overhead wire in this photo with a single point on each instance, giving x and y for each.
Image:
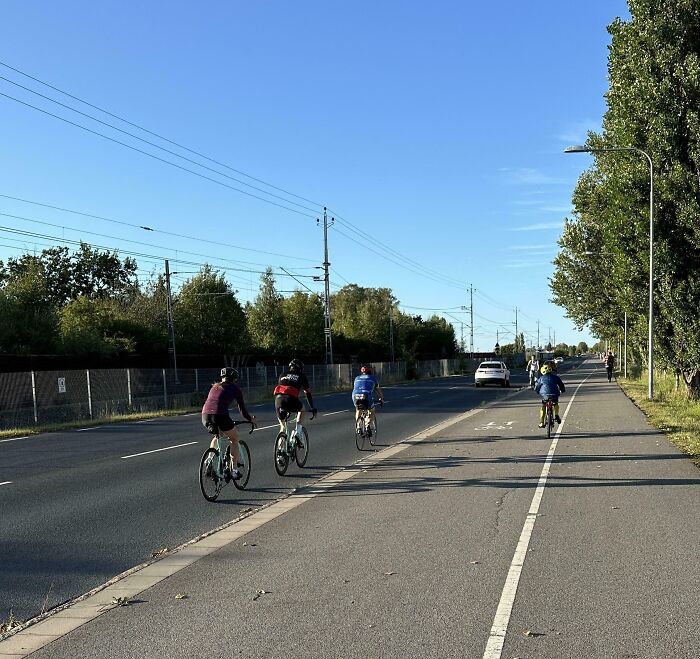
(161, 137)
(149, 228)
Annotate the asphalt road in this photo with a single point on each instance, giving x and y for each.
(485, 539)
(76, 511)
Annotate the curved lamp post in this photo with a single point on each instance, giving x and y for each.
(585, 149)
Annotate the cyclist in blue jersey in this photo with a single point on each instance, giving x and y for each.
(363, 392)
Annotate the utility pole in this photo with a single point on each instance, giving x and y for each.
(327, 286)
(171, 324)
(516, 327)
(538, 338)
(471, 325)
(391, 333)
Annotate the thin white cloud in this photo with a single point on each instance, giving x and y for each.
(530, 176)
(527, 264)
(577, 131)
(539, 227)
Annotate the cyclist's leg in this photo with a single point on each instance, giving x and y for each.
(280, 410)
(232, 435)
(556, 411)
(542, 408)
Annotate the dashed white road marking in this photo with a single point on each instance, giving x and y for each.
(14, 439)
(6, 483)
(166, 448)
(331, 413)
(414, 396)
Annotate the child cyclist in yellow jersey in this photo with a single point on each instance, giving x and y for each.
(549, 385)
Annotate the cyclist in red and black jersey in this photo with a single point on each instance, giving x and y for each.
(287, 394)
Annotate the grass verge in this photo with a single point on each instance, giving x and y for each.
(670, 411)
(9, 433)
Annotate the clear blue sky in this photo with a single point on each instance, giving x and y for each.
(433, 129)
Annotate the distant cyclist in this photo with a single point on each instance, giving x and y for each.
(533, 369)
(287, 394)
(609, 362)
(215, 414)
(363, 392)
(549, 385)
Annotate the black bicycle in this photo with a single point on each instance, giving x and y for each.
(548, 404)
(214, 467)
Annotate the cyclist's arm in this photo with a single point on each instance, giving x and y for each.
(242, 408)
(379, 391)
(304, 382)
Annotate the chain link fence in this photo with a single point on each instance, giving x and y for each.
(48, 397)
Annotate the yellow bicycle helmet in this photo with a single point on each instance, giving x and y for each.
(545, 369)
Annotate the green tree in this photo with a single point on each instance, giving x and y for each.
(362, 314)
(304, 323)
(266, 318)
(582, 348)
(29, 319)
(87, 272)
(654, 105)
(208, 318)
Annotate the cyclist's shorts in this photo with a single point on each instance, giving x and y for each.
(554, 399)
(363, 401)
(286, 405)
(217, 422)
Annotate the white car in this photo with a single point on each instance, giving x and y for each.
(492, 373)
(558, 360)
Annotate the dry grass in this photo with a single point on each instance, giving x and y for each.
(670, 411)
(88, 423)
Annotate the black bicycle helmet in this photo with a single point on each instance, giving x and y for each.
(296, 366)
(229, 373)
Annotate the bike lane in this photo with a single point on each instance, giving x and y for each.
(407, 557)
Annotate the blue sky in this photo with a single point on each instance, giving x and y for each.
(433, 129)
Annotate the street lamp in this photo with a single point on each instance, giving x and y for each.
(586, 149)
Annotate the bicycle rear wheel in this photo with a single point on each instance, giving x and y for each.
(302, 452)
(549, 422)
(243, 465)
(372, 429)
(210, 481)
(360, 433)
(281, 457)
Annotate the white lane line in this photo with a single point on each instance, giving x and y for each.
(454, 387)
(332, 413)
(91, 428)
(437, 391)
(266, 427)
(497, 636)
(414, 396)
(6, 483)
(167, 448)
(145, 420)
(14, 439)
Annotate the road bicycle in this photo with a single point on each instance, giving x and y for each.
(366, 429)
(214, 467)
(291, 446)
(548, 404)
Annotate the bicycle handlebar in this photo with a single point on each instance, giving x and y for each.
(252, 425)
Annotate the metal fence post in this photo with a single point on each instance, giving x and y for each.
(247, 380)
(313, 377)
(36, 411)
(165, 391)
(89, 391)
(196, 379)
(128, 385)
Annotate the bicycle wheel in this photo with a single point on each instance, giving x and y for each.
(302, 452)
(372, 429)
(281, 457)
(243, 465)
(209, 481)
(549, 422)
(360, 436)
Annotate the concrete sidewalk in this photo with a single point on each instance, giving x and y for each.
(407, 555)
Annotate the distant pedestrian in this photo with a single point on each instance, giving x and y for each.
(609, 364)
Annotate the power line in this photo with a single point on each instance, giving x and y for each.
(153, 144)
(161, 137)
(148, 228)
(155, 157)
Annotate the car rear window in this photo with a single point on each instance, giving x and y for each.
(490, 365)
